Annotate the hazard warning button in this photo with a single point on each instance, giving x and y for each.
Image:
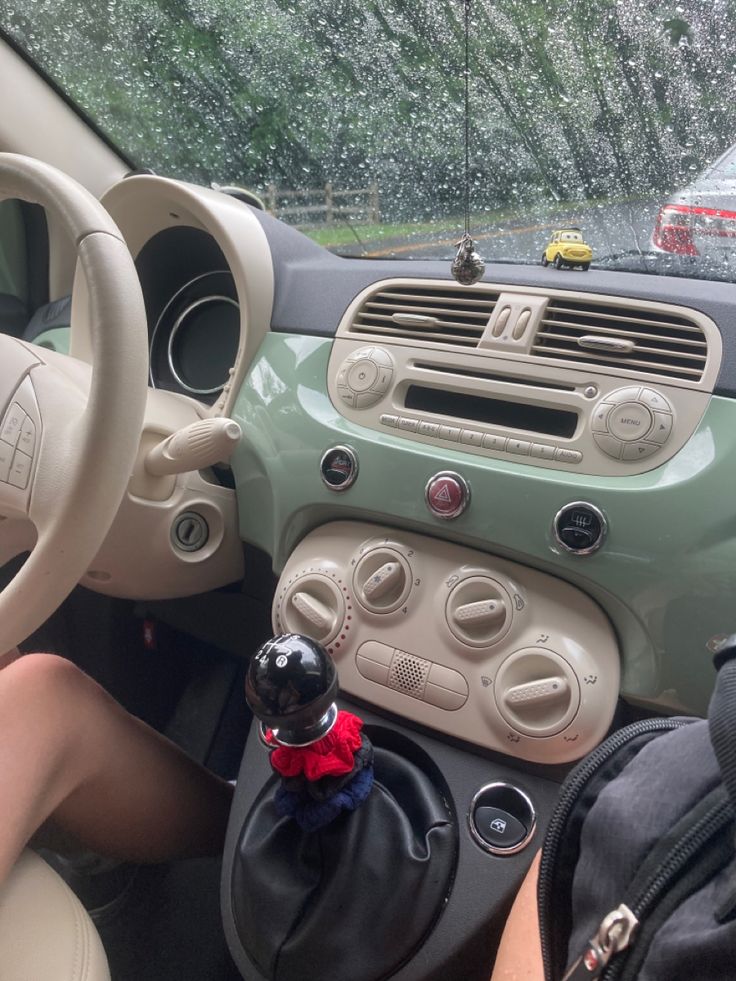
(447, 494)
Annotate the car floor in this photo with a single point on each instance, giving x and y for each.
(168, 926)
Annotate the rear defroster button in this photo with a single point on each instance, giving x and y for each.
(447, 495)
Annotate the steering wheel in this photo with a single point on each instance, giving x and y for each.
(68, 440)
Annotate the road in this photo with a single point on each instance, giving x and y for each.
(607, 228)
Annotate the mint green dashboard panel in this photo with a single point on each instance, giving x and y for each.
(56, 339)
(666, 576)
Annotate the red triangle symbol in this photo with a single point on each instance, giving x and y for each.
(443, 495)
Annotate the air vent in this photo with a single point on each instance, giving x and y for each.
(441, 315)
(639, 340)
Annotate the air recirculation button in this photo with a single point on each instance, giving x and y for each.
(537, 692)
(382, 580)
(478, 611)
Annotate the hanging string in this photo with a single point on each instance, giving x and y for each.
(467, 266)
(467, 117)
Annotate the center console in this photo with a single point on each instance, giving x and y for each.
(469, 672)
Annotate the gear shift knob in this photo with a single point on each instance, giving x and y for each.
(291, 687)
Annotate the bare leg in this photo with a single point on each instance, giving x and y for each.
(69, 751)
(520, 953)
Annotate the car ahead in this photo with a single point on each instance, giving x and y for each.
(700, 220)
(567, 248)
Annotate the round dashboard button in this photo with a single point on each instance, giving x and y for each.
(447, 495)
(629, 421)
(339, 468)
(362, 375)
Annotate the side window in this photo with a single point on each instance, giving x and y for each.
(23, 264)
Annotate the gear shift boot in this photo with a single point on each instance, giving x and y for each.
(355, 899)
(343, 864)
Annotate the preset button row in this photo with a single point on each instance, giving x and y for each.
(487, 441)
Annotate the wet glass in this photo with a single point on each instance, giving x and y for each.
(345, 116)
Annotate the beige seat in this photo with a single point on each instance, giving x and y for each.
(45, 932)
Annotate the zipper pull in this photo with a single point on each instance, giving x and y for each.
(614, 934)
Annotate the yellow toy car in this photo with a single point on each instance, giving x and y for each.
(567, 248)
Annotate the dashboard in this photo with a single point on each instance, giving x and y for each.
(501, 507)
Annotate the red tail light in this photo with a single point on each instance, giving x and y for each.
(678, 224)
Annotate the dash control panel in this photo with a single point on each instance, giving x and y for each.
(553, 417)
(480, 648)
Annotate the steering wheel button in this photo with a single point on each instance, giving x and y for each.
(6, 458)
(662, 428)
(14, 418)
(630, 421)
(639, 451)
(447, 495)
(20, 470)
(27, 440)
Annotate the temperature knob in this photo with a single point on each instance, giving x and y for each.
(312, 605)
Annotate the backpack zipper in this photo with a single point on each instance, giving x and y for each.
(568, 797)
(618, 929)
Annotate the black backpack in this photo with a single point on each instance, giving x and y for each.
(637, 878)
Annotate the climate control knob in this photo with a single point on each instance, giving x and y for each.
(382, 580)
(478, 611)
(312, 605)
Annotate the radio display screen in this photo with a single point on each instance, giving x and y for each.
(494, 412)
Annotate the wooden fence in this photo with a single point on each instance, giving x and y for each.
(324, 205)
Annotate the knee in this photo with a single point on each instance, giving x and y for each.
(43, 680)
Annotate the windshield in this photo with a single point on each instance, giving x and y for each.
(346, 116)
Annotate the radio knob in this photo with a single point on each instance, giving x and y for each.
(364, 377)
(632, 423)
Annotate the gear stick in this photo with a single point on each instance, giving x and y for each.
(346, 856)
(325, 762)
(291, 688)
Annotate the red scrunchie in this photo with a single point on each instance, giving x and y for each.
(331, 756)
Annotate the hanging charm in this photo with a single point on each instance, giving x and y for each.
(467, 266)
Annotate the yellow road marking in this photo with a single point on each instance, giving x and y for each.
(501, 233)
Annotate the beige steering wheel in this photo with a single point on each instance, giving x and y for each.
(68, 441)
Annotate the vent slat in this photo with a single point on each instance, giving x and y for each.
(644, 318)
(639, 349)
(386, 318)
(488, 302)
(596, 329)
(652, 367)
(419, 335)
(433, 311)
(660, 344)
(459, 316)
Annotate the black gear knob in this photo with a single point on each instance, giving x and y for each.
(291, 687)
